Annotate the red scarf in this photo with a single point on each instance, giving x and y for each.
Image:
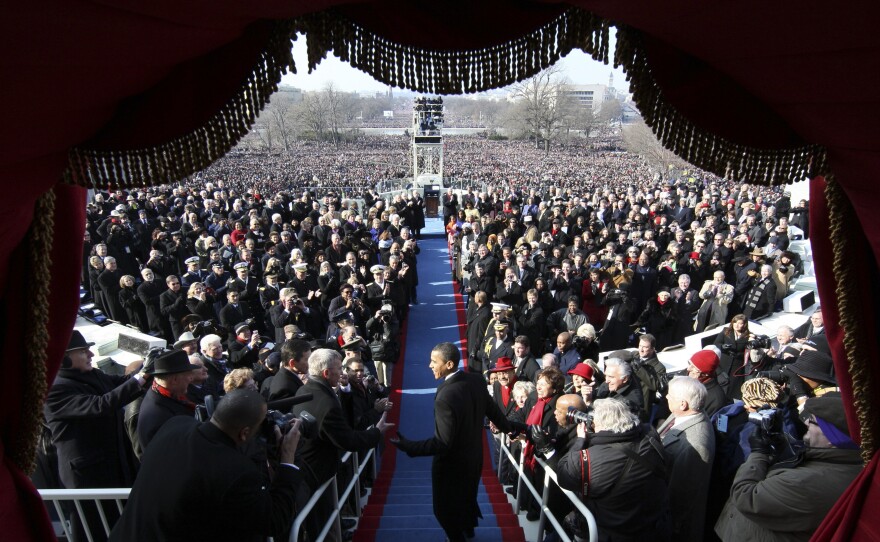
(534, 418)
(505, 392)
(180, 398)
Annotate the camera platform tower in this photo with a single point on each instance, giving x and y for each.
(427, 141)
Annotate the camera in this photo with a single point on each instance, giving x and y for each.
(769, 420)
(760, 341)
(780, 377)
(274, 418)
(728, 348)
(575, 416)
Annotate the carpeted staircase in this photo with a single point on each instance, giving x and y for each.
(400, 506)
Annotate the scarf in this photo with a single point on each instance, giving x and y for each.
(180, 398)
(534, 418)
(505, 391)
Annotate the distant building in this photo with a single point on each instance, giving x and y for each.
(292, 94)
(590, 96)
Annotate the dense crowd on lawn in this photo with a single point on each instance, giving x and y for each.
(260, 265)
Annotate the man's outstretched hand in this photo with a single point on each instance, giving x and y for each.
(402, 443)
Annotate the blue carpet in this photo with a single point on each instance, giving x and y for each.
(406, 503)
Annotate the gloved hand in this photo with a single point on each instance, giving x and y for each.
(543, 442)
(759, 442)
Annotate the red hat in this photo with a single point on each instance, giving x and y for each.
(695, 256)
(503, 364)
(706, 361)
(583, 370)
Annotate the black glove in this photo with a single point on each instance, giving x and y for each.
(760, 443)
(544, 443)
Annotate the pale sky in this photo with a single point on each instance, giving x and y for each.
(579, 68)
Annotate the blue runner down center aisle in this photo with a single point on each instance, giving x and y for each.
(400, 506)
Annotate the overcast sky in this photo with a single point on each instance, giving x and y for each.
(579, 68)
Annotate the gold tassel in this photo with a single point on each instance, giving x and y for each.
(36, 337)
(846, 239)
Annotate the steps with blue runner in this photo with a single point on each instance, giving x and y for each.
(400, 505)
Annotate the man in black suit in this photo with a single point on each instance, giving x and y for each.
(172, 305)
(320, 455)
(85, 416)
(450, 206)
(461, 403)
(178, 486)
(293, 371)
(234, 312)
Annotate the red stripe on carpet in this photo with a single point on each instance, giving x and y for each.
(507, 520)
(366, 530)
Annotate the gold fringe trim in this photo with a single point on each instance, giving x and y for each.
(702, 148)
(36, 339)
(845, 239)
(183, 156)
(453, 72)
(442, 72)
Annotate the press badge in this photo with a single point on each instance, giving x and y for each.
(721, 423)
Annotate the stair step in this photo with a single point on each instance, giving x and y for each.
(422, 498)
(436, 534)
(412, 521)
(411, 508)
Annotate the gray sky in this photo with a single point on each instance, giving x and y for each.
(579, 68)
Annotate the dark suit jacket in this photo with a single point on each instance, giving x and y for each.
(461, 403)
(320, 456)
(283, 385)
(194, 472)
(230, 316)
(242, 356)
(84, 413)
(155, 411)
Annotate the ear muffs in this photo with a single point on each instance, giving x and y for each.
(66, 362)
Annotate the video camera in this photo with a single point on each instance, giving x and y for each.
(768, 420)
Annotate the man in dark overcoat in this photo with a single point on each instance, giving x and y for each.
(85, 416)
(461, 403)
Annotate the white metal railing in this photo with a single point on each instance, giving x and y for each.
(59, 498)
(77, 497)
(333, 522)
(546, 514)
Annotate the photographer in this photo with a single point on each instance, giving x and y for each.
(620, 473)
(771, 503)
(244, 350)
(382, 332)
(188, 454)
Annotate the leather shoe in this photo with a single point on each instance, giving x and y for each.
(347, 524)
(533, 515)
(511, 491)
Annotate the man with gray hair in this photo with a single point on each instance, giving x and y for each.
(621, 383)
(321, 451)
(624, 462)
(689, 440)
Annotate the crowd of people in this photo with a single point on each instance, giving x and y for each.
(358, 164)
(553, 276)
(269, 290)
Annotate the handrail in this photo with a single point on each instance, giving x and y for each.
(77, 496)
(546, 514)
(333, 521)
(57, 496)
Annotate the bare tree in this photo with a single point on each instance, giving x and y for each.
(542, 105)
(339, 107)
(639, 139)
(312, 113)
